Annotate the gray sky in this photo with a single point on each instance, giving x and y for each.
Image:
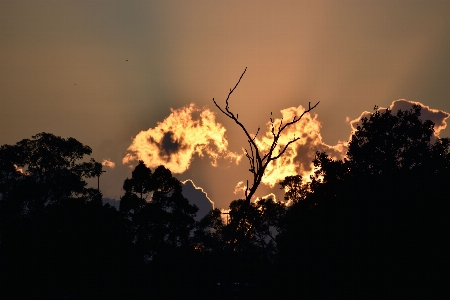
(102, 71)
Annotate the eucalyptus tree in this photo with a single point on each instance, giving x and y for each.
(160, 215)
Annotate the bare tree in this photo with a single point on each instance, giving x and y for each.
(260, 160)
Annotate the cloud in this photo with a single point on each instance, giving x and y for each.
(299, 155)
(112, 201)
(269, 196)
(240, 188)
(439, 117)
(196, 195)
(174, 141)
(108, 163)
(191, 130)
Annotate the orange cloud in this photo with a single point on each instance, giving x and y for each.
(108, 163)
(298, 157)
(269, 196)
(174, 141)
(240, 188)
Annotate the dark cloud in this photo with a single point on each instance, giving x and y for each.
(112, 201)
(170, 145)
(438, 117)
(197, 196)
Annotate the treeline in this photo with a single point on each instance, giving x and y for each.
(373, 226)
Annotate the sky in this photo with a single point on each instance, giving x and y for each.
(135, 79)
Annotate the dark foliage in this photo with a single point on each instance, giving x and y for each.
(373, 226)
(56, 238)
(294, 188)
(164, 217)
(160, 221)
(50, 173)
(244, 249)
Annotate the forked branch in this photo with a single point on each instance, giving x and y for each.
(259, 161)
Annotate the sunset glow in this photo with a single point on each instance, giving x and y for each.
(215, 150)
(297, 158)
(108, 163)
(175, 141)
(135, 80)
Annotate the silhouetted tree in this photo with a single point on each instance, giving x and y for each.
(140, 181)
(182, 258)
(241, 228)
(376, 224)
(244, 263)
(44, 170)
(135, 187)
(164, 217)
(209, 232)
(56, 237)
(259, 160)
(262, 222)
(41, 171)
(295, 189)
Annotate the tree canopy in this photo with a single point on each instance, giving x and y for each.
(55, 234)
(164, 216)
(366, 223)
(43, 170)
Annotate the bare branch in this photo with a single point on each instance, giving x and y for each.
(246, 190)
(284, 149)
(259, 161)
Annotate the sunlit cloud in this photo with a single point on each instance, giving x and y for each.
(269, 196)
(191, 130)
(298, 157)
(108, 163)
(173, 142)
(240, 188)
(439, 117)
